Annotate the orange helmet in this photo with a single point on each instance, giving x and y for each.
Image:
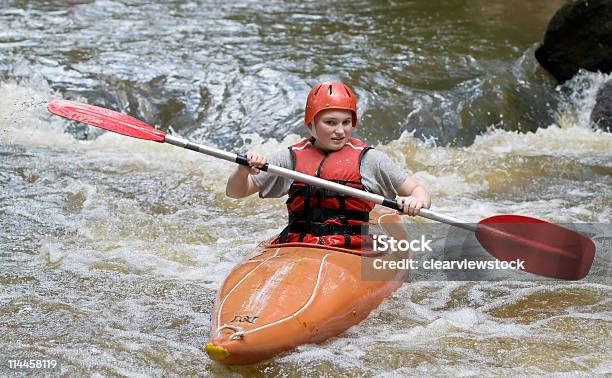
(330, 95)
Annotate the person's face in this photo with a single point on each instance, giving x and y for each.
(332, 128)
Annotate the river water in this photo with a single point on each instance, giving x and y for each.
(112, 249)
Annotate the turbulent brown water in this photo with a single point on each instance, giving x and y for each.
(112, 249)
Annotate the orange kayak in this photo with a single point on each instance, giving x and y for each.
(293, 294)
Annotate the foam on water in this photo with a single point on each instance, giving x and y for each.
(19, 124)
(148, 235)
(455, 176)
(446, 170)
(437, 335)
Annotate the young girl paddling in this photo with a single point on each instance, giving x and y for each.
(320, 216)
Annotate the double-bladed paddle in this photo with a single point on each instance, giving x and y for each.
(547, 249)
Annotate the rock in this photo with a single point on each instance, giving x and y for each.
(602, 112)
(578, 36)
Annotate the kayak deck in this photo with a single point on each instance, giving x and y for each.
(292, 294)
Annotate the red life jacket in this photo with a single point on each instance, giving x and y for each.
(322, 216)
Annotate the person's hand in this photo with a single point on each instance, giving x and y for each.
(411, 205)
(256, 161)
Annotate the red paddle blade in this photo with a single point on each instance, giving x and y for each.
(547, 249)
(106, 119)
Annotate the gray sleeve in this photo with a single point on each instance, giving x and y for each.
(380, 174)
(272, 186)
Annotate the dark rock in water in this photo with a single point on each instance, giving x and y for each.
(578, 36)
(602, 112)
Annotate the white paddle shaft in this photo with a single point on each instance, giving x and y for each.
(316, 181)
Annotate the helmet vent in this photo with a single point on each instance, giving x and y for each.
(347, 92)
(330, 89)
(317, 91)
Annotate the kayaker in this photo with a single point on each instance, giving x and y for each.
(317, 215)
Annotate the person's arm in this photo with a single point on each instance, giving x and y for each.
(240, 184)
(412, 197)
(381, 175)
